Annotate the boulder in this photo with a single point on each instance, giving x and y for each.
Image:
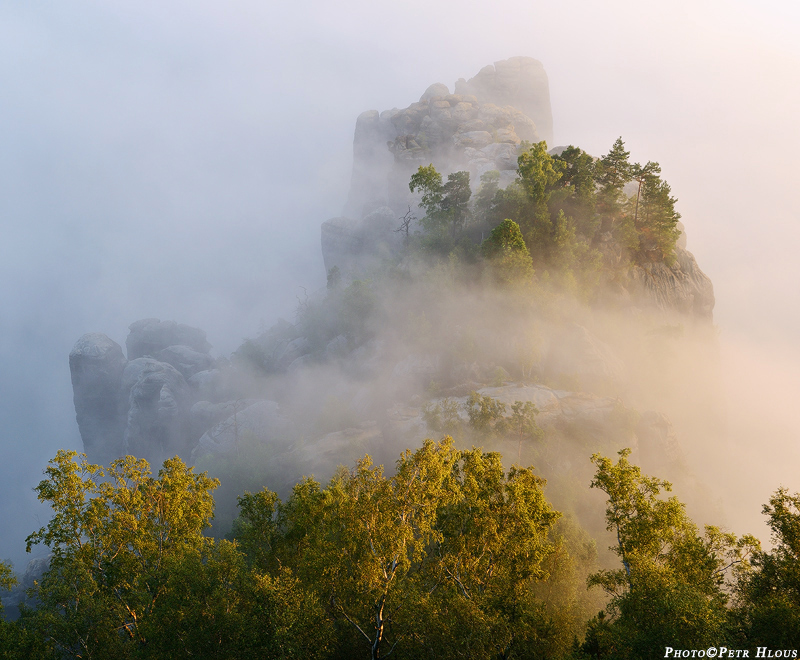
(96, 365)
(158, 405)
(435, 91)
(207, 385)
(520, 82)
(474, 139)
(294, 349)
(186, 360)
(150, 336)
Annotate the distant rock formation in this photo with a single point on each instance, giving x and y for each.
(139, 405)
(148, 337)
(477, 129)
(96, 364)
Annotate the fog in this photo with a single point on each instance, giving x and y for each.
(176, 161)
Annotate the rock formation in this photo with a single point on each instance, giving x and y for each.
(139, 405)
(96, 364)
(312, 395)
(477, 128)
(682, 286)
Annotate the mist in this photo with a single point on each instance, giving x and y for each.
(177, 161)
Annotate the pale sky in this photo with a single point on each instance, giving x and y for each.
(176, 160)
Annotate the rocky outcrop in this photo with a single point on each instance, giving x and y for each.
(477, 128)
(658, 441)
(141, 406)
(149, 337)
(96, 364)
(520, 82)
(157, 419)
(186, 360)
(681, 287)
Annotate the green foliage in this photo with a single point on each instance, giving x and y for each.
(613, 172)
(485, 414)
(565, 215)
(364, 547)
(523, 424)
(132, 576)
(439, 560)
(487, 191)
(578, 186)
(486, 419)
(768, 598)
(495, 540)
(451, 556)
(538, 173)
(114, 536)
(17, 643)
(349, 311)
(508, 256)
(7, 577)
(671, 588)
(505, 238)
(657, 219)
(446, 205)
(443, 417)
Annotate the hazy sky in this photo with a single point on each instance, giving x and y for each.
(176, 160)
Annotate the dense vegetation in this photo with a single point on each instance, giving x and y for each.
(567, 216)
(449, 556)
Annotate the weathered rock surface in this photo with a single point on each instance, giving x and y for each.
(96, 364)
(520, 82)
(203, 415)
(681, 287)
(186, 360)
(207, 385)
(294, 349)
(503, 104)
(157, 420)
(345, 447)
(658, 440)
(141, 406)
(148, 337)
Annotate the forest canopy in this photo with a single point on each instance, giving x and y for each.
(570, 210)
(449, 555)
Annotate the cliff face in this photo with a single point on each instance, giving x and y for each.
(477, 128)
(681, 287)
